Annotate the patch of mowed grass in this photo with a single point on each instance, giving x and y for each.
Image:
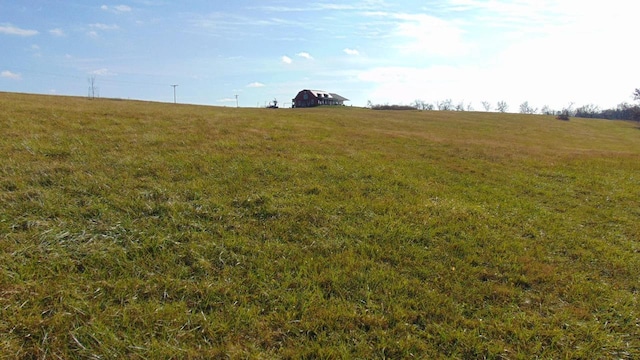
(147, 230)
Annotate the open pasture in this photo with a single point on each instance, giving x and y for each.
(149, 230)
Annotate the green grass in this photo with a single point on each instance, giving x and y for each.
(147, 230)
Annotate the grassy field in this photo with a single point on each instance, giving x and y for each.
(148, 230)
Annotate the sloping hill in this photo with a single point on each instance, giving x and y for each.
(151, 230)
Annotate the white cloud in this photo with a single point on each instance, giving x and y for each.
(92, 34)
(362, 5)
(116, 9)
(305, 55)
(57, 32)
(10, 75)
(101, 72)
(122, 8)
(287, 60)
(104, 26)
(397, 84)
(227, 100)
(256, 85)
(9, 29)
(353, 52)
(423, 34)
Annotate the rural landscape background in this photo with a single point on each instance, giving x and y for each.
(133, 229)
(549, 53)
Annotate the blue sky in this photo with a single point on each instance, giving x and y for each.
(544, 52)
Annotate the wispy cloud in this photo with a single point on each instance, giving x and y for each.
(256, 85)
(362, 5)
(423, 34)
(305, 55)
(122, 8)
(101, 72)
(287, 60)
(9, 29)
(228, 24)
(353, 52)
(104, 26)
(10, 75)
(35, 50)
(116, 9)
(57, 32)
(518, 15)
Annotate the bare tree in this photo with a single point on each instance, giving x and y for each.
(569, 109)
(446, 105)
(486, 105)
(635, 115)
(417, 104)
(502, 106)
(460, 106)
(546, 110)
(422, 105)
(525, 108)
(587, 111)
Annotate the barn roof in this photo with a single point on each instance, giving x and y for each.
(338, 97)
(327, 95)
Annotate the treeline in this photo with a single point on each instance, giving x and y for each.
(390, 107)
(623, 111)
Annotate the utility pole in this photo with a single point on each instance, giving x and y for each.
(174, 93)
(92, 87)
(237, 103)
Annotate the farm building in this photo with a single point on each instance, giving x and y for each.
(311, 98)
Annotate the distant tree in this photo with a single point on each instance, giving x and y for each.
(570, 109)
(460, 106)
(588, 111)
(636, 110)
(446, 105)
(369, 104)
(392, 107)
(486, 105)
(422, 105)
(546, 110)
(502, 106)
(469, 107)
(623, 111)
(525, 108)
